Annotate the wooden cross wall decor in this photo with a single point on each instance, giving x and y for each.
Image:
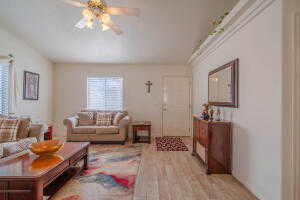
(148, 85)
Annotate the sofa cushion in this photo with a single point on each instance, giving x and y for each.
(107, 130)
(85, 118)
(85, 129)
(103, 119)
(3, 116)
(8, 129)
(23, 130)
(37, 131)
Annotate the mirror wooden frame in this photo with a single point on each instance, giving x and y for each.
(234, 82)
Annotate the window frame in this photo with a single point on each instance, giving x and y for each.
(87, 91)
(9, 97)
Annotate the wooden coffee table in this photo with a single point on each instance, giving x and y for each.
(25, 177)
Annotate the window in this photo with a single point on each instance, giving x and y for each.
(105, 93)
(4, 90)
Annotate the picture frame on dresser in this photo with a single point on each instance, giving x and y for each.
(223, 85)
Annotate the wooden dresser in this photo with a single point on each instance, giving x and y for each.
(212, 145)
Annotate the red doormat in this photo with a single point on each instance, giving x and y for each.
(170, 144)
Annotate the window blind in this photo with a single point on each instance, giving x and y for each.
(105, 93)
(4, 89)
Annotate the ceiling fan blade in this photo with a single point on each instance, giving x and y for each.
(105, 27)
(75, 3)
(4, 57)
(81, 24)
(124, 11)
(108, 22)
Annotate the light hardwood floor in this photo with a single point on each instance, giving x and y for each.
(180, 176)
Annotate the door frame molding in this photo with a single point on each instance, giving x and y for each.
(296, 106)
(190, 101)
(291, 116)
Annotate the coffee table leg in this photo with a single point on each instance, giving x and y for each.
(149, 135)
(86, 160)
(133, 134)
(86, 163)
(37, 191)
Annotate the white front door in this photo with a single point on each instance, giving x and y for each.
(176, 106)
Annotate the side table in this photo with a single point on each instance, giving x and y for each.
(48, 133)
(141, 126)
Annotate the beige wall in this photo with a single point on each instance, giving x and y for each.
(70, 89)
(28, 59)
(257, 121)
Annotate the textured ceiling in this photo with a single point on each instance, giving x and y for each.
(165, 33)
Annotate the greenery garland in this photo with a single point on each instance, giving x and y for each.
(216, 30)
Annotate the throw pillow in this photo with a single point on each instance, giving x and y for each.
(85, 118)
(1, 150)
(8, 130)
(117, 118)
(26, 142)
(2, 118)
(103, 119)
(23, 130)
(10, 148)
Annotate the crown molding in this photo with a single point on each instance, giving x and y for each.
(241, 15)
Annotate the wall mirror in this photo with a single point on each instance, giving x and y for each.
(223, 85)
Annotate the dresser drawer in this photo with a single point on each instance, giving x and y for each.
(78, 156)
(204, 132)
(55, 172)
(203, 135)
(24, 189)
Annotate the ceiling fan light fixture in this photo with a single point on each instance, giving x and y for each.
(99, 9)
(87, 14)
(89, 24)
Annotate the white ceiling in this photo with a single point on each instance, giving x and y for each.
(165, 33)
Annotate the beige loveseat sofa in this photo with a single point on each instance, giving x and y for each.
(26, 134)
(113, 133)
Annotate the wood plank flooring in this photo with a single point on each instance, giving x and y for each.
(180, 176)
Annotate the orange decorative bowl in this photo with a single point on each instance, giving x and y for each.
(45, 147)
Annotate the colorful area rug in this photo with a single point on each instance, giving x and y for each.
(111, 175)
(170, 144)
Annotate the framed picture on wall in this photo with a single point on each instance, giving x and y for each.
(31, 86)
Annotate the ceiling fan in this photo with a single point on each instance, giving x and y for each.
(98, 9)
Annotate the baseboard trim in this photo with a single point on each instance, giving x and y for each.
(108, 142)
(100, 142)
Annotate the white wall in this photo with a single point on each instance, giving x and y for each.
(26, 58)
(257, 121)
(70, 90)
